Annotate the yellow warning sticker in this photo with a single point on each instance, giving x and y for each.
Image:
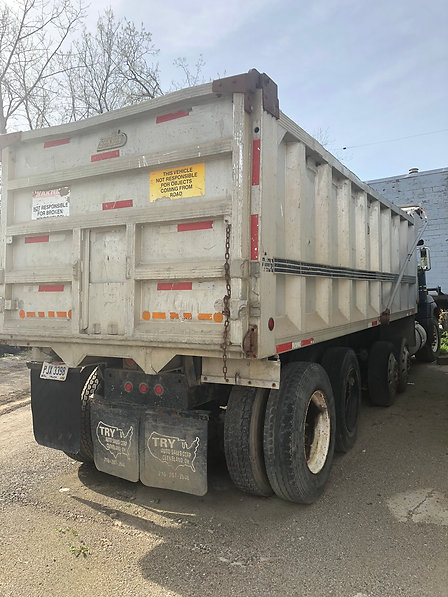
(176, 183)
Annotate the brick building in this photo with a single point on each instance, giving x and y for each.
(430, 190)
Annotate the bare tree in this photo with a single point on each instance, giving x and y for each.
(110, 68)
(190, 75)
(32, 35)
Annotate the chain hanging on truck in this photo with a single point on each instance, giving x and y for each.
(226, 303)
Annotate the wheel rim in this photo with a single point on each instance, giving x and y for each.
(351, 400)
(317, 432)
(404, 361)
(392, 371)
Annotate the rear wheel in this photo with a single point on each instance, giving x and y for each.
(299, 433)
(243, 439)
(404, 361)
(93, 385)
(382, 374)
(431, 349)
(343, 371)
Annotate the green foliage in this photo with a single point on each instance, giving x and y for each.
(77, 550)
(444, 343)
(82, 550)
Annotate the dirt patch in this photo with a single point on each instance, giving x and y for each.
(15, 380)
(68, 529)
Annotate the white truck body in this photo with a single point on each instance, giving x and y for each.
(197, 269)
(114, 236)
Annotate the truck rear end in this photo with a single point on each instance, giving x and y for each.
(168, 260)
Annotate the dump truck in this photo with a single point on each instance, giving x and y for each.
(196, 271)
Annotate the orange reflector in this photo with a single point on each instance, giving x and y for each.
(174, 315)
(205, 316)
(50, 313)
(218, 317)
(69, 314)
(22, 314)
(158, 315)
(30, 314)
(41, 314)
(146, 315)
(188, 316)
(62, 314)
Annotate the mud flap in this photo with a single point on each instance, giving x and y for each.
(56, 408)
(173, 450)
(115, 435)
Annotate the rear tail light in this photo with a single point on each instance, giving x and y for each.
(143, 388)
(128, 387)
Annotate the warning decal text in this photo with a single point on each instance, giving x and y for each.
(176, 183)
(51, 204)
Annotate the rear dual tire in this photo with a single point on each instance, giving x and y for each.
(243, 440)
(382, 374)
(342, 367)
(299, 433)
(92, 386)
(282, 441)
(403, 357)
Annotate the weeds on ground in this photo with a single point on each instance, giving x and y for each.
(77, 550)
(82, 550)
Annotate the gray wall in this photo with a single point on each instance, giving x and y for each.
(430, 190)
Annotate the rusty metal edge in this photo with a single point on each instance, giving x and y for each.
(248, 83)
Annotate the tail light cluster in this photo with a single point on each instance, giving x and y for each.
(143, 388)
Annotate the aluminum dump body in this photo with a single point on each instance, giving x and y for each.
(114, 235)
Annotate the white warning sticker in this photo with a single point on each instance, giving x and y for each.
(54, 203)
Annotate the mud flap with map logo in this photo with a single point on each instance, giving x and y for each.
(173, 450)
(115, 434)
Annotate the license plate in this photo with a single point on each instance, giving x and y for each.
(55, 371)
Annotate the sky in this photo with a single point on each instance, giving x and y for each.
(368, 76)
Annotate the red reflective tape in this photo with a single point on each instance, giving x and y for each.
(284, 347)
(195, 226)
(374, 323)
(118, 204)
(175, 286)
(52, 288)
(37, 239)
(56, 142)
(256, 153)
(307, 342)
(254, 237)
(106, 155)
(172, 116)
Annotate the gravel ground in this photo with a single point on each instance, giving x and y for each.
(380, 529)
